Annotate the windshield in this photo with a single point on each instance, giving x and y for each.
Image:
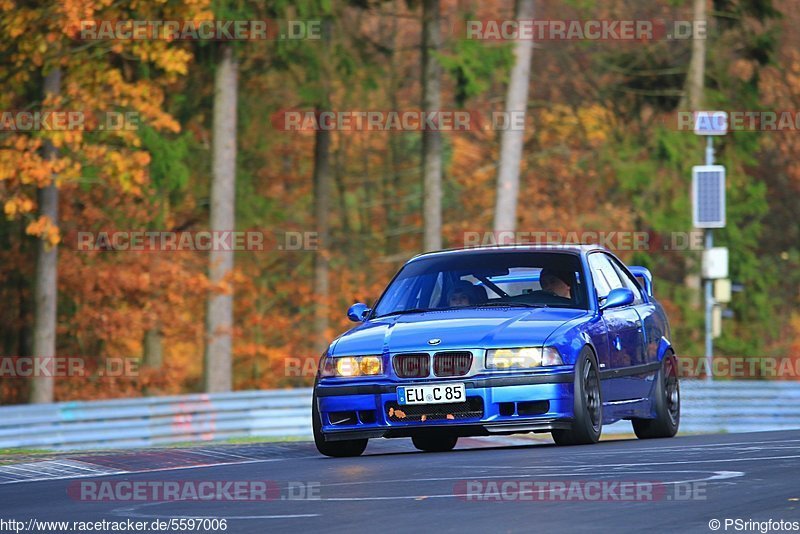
(524, 279)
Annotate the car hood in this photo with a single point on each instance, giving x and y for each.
(481, 329)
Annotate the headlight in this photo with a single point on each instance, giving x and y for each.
(523, 358)
(370, 365)
(349, 366)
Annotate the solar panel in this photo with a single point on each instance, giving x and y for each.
(708, 196)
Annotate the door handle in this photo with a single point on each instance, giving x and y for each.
(617, 343)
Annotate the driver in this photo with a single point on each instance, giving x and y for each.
(556, 283)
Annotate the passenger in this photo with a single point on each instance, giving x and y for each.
(462, 294)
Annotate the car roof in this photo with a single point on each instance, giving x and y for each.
(544, 247)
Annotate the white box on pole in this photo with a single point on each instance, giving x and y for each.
(722, 290)
(716, 322)
(715, 263)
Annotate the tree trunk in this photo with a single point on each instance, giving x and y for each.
(391, 199)
(692, 100)
(153, 348)
(431, 139)
(322, 205)
(695, 78)
(46, 292)
(341, 187)
(511, 140)
(322, 193)
(219, 314)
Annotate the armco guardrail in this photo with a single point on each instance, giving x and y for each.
(739, 406)
(733, 406)
(153, 421)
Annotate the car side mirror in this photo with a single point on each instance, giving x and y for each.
(358, 312)
(644, 277)
(622, 296)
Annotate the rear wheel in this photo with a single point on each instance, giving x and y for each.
(667, 401)
(440, 443)
(336, 449)
(588, 407)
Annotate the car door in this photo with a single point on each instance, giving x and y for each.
(624, 335)
(652, 324)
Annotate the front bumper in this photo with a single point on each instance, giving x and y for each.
(508, 404)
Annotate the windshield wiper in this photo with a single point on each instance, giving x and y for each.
(509, 305)
(404, 312)
(472, 306)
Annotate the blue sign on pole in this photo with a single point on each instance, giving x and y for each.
(710, 123)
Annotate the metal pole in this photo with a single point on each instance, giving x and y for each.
(709, 294)
(709, 314)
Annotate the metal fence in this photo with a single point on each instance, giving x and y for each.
(739, 406)
(157, 420)
(735, 406)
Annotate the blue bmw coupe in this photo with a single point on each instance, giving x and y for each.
(500, 340)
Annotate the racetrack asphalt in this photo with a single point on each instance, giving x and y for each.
(394, 488)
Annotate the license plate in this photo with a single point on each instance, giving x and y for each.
(432, 394)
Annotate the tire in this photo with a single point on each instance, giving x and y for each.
(335, 449)
(667, 399)
(587, 424)
(435, 443)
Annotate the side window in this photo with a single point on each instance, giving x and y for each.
(415, 295)
(604, 275)
(399, 296)
(421, 294)
(629, 282)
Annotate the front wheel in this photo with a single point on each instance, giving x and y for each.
(336, 449)
(587, 404)
(667, 401)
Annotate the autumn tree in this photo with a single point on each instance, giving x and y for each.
(46, 292)
(602, 154)
(219, 315)
(43, 169)
(431, 138)
(512, 138)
